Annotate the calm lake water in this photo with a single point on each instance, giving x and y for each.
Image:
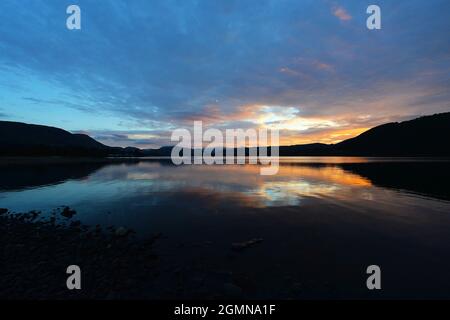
(322, 221)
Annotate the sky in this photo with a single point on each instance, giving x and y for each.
(139, 69)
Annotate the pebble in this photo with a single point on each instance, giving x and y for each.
(68, 213)
(75, 223)
(27, 244)
(121, 232)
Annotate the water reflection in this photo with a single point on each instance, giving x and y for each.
(240, 183)
(323, 220)
(298, 178)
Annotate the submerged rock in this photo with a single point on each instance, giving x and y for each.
(121, 232)
(238, 246)
(3, 210)
(68, 213)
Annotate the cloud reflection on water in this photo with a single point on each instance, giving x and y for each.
(294, 181)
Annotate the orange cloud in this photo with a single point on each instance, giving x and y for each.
(289, 71)
(341, 14)
(323, 66)
(332, 135)
(294, 127)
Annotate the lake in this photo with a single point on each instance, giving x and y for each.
(319, 223)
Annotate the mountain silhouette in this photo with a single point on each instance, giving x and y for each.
(424, 136)
(28, 139)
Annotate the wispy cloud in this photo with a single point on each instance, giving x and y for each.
(341, 13)
(153, 67)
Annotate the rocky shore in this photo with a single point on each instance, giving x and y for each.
(36, 251)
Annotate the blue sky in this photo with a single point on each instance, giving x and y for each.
(138, 69)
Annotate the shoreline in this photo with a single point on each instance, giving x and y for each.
(5, 160)
(37, 251)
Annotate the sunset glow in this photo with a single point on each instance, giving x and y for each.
(308, 68)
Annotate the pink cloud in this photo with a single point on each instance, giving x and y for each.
(323, 66)
(341, 14)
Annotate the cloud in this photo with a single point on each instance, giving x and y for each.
(145, 67)
(323, 66)
(341, 14)
(141, 139)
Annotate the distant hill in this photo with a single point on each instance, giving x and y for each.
(312, 149)
(18, 138)
(424, 136)
(22, 134)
